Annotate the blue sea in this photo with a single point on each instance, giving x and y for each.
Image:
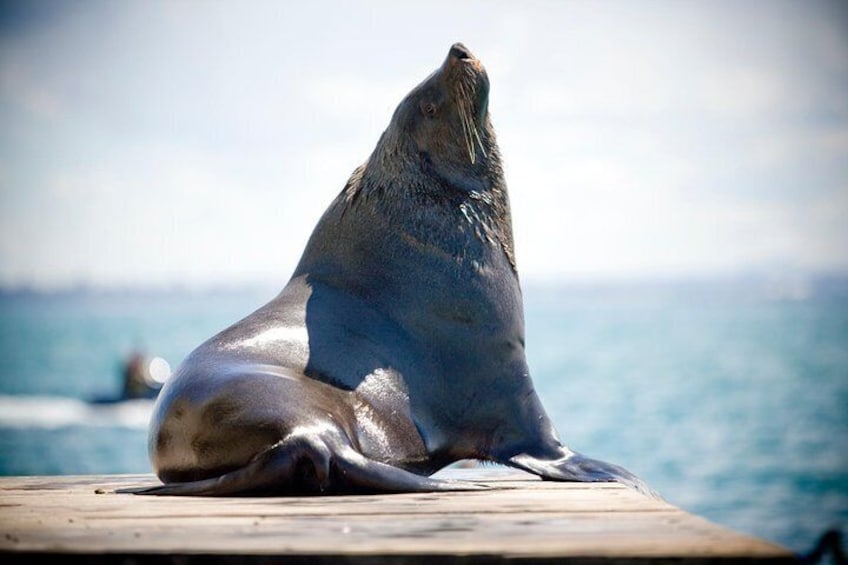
(729, 397)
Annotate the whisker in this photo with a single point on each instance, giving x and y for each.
(463, 118)
(468, 129)
(479, 141)
(469, 125)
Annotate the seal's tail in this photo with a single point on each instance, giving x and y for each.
(576, 467)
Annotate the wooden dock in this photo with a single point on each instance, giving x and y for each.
(522, 519)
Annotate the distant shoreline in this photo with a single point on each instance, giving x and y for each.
(780, 286)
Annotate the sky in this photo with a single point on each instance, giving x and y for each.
(197, 143)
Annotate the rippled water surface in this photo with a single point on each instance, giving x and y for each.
(730, 399)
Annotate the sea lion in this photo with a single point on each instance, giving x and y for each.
(396, 348)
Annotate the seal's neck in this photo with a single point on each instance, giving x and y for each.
(436, 205)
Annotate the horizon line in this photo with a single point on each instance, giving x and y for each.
(750, 277)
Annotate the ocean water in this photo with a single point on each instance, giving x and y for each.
(728, 397)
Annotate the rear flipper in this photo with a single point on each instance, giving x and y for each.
(300, 466)
(575, 467)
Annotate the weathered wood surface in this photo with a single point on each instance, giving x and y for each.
(521, 518)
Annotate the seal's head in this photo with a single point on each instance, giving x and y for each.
(435, 178)
(450, 105)
(442, 125)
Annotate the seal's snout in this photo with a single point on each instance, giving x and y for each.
(460, 57)
(460, 51)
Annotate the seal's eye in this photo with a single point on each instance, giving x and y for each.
(428, 109)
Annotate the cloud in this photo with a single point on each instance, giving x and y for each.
(18, 92)
(692, 138)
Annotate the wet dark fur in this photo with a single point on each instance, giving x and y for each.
(396, 348)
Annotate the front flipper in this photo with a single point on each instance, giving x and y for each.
(575, 467)
(303, 466)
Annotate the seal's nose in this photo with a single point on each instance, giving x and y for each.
(460, 51)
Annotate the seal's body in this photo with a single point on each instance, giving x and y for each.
(398, 345)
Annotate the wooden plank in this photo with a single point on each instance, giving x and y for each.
(520, 518)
